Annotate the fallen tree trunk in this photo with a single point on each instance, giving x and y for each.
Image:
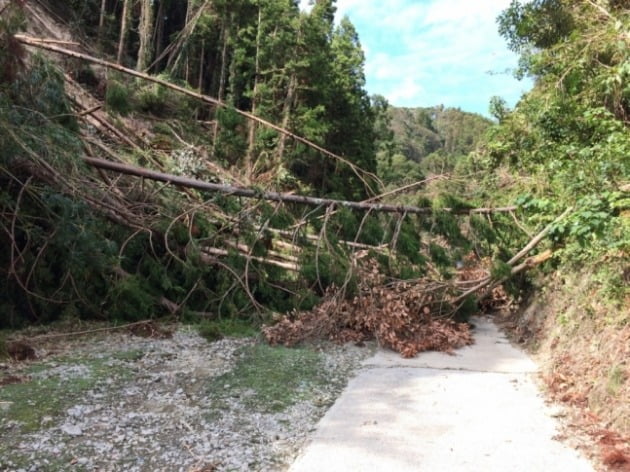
(208, 252)
(490, 283)
(47, 45)
(275, 196)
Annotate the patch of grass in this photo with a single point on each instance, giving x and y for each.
(129, 356)
(271, 379)
(212, 330)
(11, 459)
(616, 379)
(50, 395)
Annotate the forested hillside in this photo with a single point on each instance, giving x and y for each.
(204, 160)
(253, 109)
(415, 142)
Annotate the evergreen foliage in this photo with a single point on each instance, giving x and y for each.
(71, 256)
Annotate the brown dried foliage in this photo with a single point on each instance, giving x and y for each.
(21, 351)
(12, 379)
(614, 450)
(399, 315)
(150, 329)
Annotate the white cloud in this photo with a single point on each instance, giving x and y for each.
(421, 52)
(407, 89)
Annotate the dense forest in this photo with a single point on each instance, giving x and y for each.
(263, 96)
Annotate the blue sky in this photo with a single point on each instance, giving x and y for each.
(431, 52)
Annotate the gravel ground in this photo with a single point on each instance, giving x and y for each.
(135, 404)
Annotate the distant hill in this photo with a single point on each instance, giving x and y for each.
(419, 132)
(415, 142)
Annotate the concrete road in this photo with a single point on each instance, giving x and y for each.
(478, 410)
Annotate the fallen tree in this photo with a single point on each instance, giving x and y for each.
(278, 197)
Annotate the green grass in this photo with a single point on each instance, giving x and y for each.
(129, 356)
(21, 461)
(226, 328)
(270, 379)
(616, 379)
(33, 400)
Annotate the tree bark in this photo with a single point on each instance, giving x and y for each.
(289, 100)
(222, 79)
(159, 32)
(286, 114)
(124, 30)
(101, 21)
(145, 50)
(249, 155)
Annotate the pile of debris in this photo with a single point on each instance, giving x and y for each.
(406, 316)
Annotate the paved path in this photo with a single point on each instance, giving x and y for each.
(477, 411)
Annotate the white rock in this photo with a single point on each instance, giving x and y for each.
(71, 429)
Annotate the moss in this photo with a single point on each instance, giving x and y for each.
(271, 379)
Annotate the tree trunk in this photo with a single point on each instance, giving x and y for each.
(286, 114)
(222, 78)
(145, 31)
(124, 30)
(101, 21)
(235, 191)
(249, 155)
(289, 101)
(223, 75)
(202, 56)
(176, 54)
(159, 32)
